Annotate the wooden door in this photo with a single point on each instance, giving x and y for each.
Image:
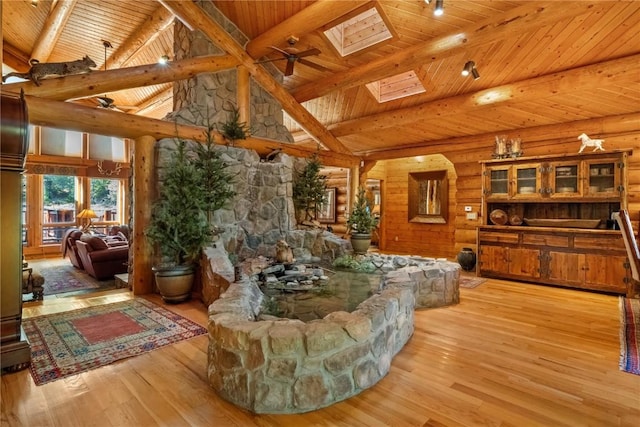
(494, 259)
(565, 268)
(564, 179)
(524, 262)
(496, 184)
(603, 178)
(527, 181)
(606, 273)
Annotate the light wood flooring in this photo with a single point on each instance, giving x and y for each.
(509, 354)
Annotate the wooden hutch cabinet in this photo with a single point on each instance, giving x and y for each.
(548, 220)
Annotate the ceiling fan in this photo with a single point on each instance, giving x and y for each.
(291, 55)
(103, 101)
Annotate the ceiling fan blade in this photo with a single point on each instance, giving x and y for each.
(313, 65)
(269, 60)
(309, 52)
(289, 70)
(104, 101)
(284, 52)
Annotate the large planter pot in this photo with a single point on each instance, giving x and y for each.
(175, 283)
(467, 259)
(360, 242)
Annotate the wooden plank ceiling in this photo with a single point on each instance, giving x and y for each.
(539, 64)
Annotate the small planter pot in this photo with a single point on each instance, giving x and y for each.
(360, 242)
(175, 283)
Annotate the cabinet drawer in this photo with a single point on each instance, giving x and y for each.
(546, 240)
(499, 237)
(602, 243)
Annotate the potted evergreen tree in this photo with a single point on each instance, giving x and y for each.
(178, 226)
(361, 223)
(182, 217)
(215, 179)
(309, 190)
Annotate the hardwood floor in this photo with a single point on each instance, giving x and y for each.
(509, 354)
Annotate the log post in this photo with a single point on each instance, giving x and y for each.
(244, 94)
(141, 276)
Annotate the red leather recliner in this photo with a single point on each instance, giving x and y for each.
(101, 260)
(69, 247)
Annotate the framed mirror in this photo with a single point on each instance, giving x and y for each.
(428, 201)
(327, 212)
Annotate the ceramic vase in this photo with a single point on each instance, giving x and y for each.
(467, 259)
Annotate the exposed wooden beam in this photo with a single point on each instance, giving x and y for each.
(194, 16)
(52, 29)
(98, 82)
(308, 19)
(603, 74)
(67, 115)
(14, 58)
(153, 102)
(600, 127)
(143, 189)
(243, 95)
(141, 37)
(525, 18)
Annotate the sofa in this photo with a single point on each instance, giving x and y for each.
(100, 259)
(69, 247)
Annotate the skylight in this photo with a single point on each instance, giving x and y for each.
(363, 30)
(395, 87)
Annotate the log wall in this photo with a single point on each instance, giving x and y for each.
(446, 240)
(338, 178)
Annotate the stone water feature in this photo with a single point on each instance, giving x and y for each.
(264, 363)
(274, 365)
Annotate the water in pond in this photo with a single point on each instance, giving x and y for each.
(342, 292)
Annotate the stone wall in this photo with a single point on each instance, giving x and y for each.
(210, 98)
(262, 211)
(273, 365)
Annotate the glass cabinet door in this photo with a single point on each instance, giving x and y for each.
(527, 180)
(497, 182)
(603, 178)
(564, 179)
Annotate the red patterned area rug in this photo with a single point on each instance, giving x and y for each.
(69, 343)
(470, 282)
(61, 277)
(629, 335)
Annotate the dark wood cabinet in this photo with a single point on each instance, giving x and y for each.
(587, 259)
(569, 190)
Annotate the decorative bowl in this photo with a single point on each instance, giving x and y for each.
(515, 220)
(562, 223)
(498, 217)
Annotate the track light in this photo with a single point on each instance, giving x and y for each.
(34, 3)
(427, 1)
(438, 11)
(163, 59)
(470, 68)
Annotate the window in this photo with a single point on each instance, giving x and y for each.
(59, 142)
(395, 87)
(67, 171)
(59, 206)
(104, 196)
(360, 32)
(106, 148)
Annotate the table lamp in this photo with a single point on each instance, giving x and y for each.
(87, 213)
